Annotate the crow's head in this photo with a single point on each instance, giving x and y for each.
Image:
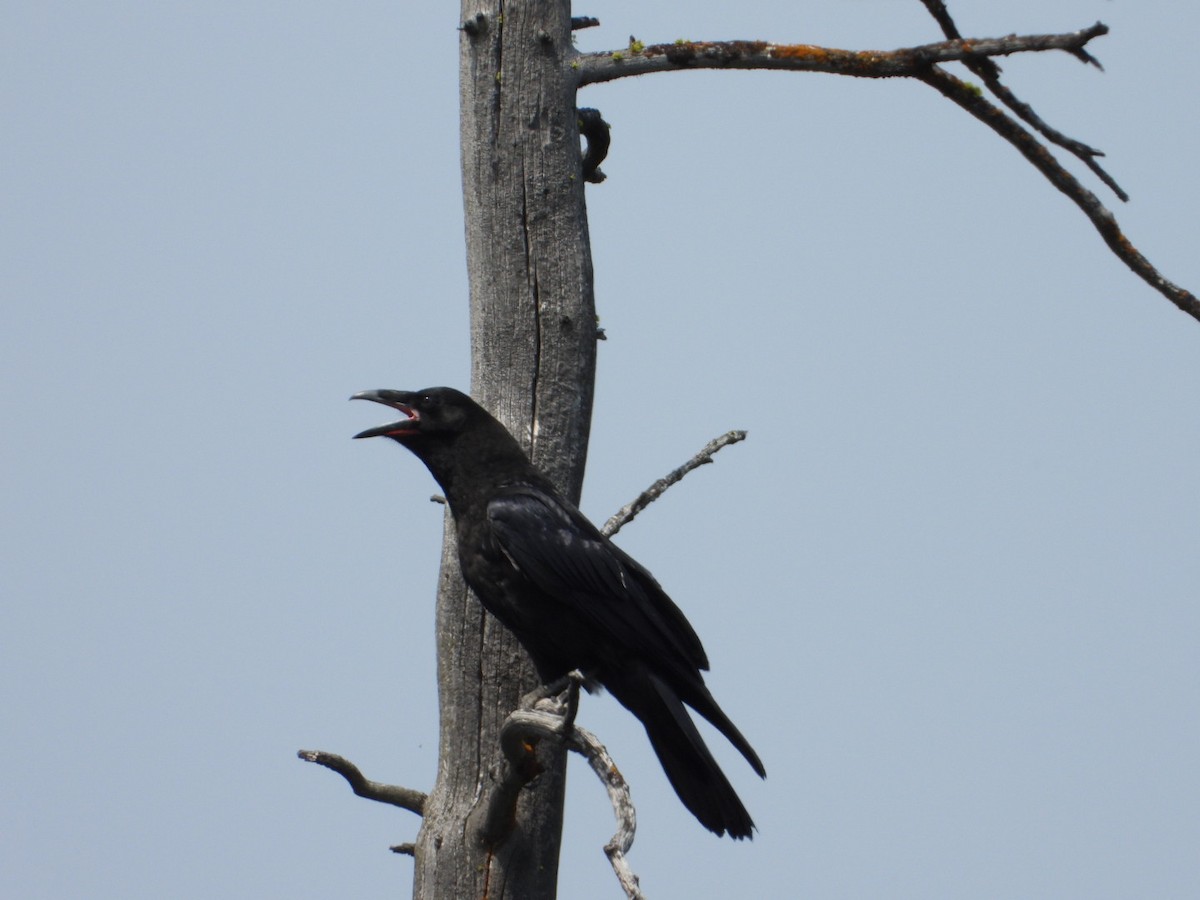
(433, 411)
(461, 444)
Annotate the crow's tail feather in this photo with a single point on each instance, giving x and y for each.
(689, 765)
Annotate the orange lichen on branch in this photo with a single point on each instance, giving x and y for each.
(802, 51)
(850, 62)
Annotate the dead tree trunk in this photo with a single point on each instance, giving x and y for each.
(533, 343)
(533, 351)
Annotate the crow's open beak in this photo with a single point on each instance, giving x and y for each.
(396, 400)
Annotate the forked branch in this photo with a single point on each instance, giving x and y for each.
(923, 63)
(987, 70)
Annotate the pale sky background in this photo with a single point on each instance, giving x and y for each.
(949, 585)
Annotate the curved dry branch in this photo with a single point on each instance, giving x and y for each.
(638, 59)
(550, 710)
(548, 713)
(405, 798)
(626, 513)
(586, 743)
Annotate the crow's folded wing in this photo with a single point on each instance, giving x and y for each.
(567, 558)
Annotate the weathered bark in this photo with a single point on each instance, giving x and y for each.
(533, 349)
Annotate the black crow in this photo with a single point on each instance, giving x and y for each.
(571, 596)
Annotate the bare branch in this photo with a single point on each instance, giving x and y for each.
(583, 741)
(920, 63)
(636, 59)
(973, 102)
(549, 713)
(405, 798)
(626, 513)
(1085, 153)
(987, 70)
(942, 15)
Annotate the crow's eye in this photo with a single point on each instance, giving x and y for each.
(429, 401)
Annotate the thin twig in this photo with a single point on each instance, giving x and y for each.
(941, 14)
(584, 742)
(987, 70)
(405, 798)
(626, 513)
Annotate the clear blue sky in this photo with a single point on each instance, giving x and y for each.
(949, 585)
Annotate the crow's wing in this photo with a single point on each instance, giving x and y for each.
(566, 557)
